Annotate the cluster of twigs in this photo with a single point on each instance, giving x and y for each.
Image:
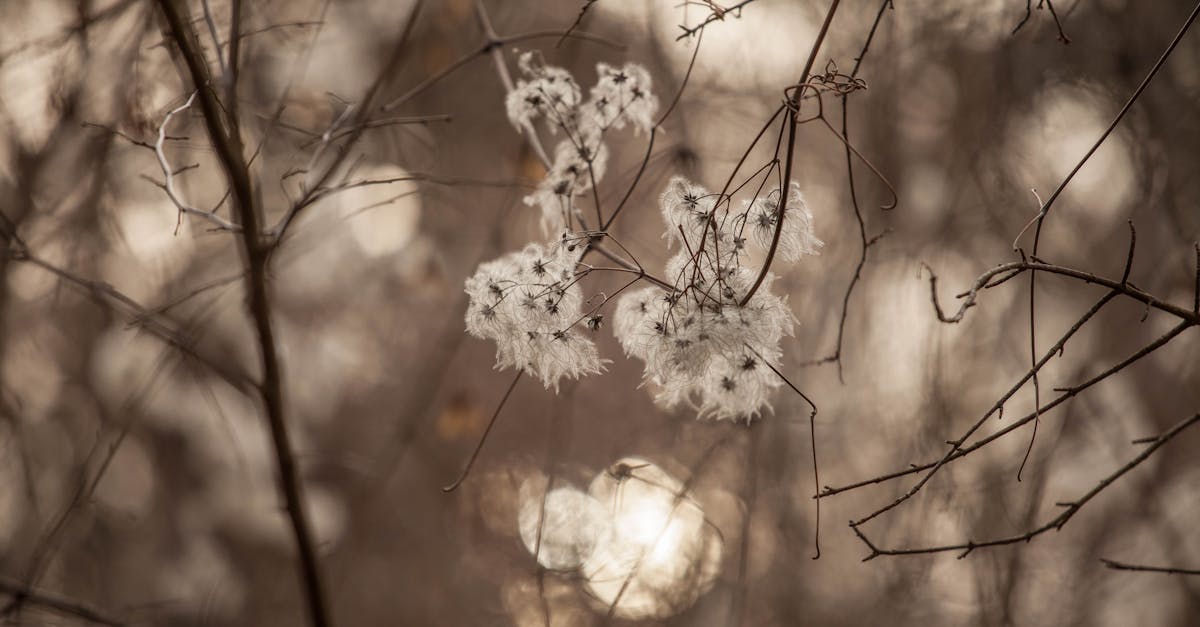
(1033, 265)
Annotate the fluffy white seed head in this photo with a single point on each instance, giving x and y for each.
(621, 95)
(578, 163)
(797, 237)
(528, 303)
(699, 344)
(546, 92)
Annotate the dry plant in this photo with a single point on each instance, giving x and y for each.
(257, 168)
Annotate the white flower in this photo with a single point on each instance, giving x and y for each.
(576, 165)
(797, 238)
(550, 92)
(700, 345)
(527, 302)
(621, 95)
(688, 211)
(705, 353)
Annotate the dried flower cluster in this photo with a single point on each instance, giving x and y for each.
(621, 96)
(700, 345)
(528, 303)
(703, 342)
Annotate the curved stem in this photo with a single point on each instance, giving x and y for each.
(462, 476)
(793, 107)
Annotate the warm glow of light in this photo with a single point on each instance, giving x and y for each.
(644, 521)
(562, 527)
(662, 554)
(640, 540)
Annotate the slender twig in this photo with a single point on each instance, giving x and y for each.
(169, 175)
(1045, 209)
(1062, 36)
(587, 4)
(997, 407)
(1015, 268)
(483, 49)
(358, 126)
(1115, 565)
(812, 430)
(687, 75)
(959, 450)
(864, 243)
(789, 159)
(713, 16)
(1070, 508)
(462, 476)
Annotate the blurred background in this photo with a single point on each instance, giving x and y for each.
(136, 474)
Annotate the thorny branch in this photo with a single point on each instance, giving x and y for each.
(713, 16)
(959, 450)
(992, 278)
(169, 176)
(1045, 208)
(1033, 265)
(1070, 508)
(1062, 36)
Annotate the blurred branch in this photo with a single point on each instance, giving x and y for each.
(317, 194)
(85, 488)
(527, 129)
(1056, 523)
(212, 32)
(357, 127)
(53, 602)
(157, 324)
(486, 47)
(224, 134)
(64, 35)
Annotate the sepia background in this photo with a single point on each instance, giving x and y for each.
(137, 478)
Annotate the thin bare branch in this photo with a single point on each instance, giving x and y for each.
(1070, 508)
